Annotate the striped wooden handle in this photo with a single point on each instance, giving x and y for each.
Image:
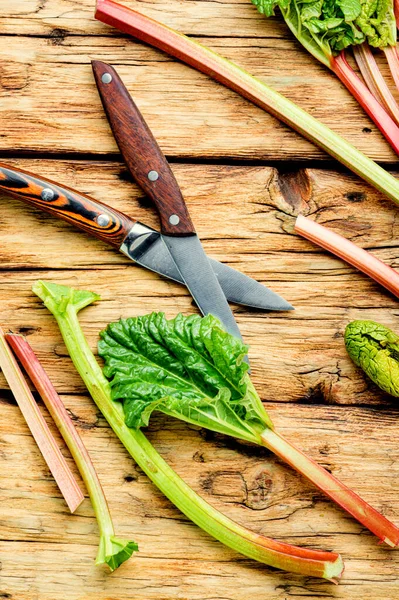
(96, 218)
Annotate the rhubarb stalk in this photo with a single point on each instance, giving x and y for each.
(363, 95)
(332, 487)
(190, 368)
(391, 53)
(229, 74)
(112, 551)
(375, 81)
(348, 251)
(39, 428)
(65, 303)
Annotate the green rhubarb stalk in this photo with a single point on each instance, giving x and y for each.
(232, 76)
(112, 550)
(65, 303)
(192, 369)
(327, 27)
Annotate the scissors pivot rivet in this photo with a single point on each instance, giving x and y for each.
(47, 194)
(106, 78)
(153, 175)
(103, 220)
(174, 220)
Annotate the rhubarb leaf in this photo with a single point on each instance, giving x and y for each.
(113, 550)
(375, 349)
(187, 367)
(326, 27)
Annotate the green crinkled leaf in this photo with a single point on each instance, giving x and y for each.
(375, 349)
(187, 367)
(265, 7)
(326, 27)
(350, 8)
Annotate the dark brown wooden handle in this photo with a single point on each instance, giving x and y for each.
(94, 217)
(141, 152)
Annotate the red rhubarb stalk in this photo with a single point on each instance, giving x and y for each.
(39, 428)
(348, 251)
(391, 53)
(375, 81)
(363, 95)
(332, 487)
(112, 550)
(229, 74)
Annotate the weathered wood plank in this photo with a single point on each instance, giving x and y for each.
(249, 485)
(56, 17)
(49, 102)
(252, 229)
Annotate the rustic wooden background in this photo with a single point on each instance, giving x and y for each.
(245, 177)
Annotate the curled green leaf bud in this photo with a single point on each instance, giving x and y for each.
(375, 349)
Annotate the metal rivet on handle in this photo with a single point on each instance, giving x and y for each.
(47, 194)
(103, 220)
(174, 220)
(106, 78)
(153, 175)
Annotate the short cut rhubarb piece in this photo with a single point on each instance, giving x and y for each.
(113, 550)
(42, 435)
(348, 251)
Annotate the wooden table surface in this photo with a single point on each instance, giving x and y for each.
(245, 176)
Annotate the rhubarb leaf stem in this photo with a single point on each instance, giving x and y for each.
(391, 53)
(364, 96)
(375, 81)
(112, 550)
(332, 487)
(64, 303)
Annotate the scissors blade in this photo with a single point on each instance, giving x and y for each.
(201, 281)
(145, 246)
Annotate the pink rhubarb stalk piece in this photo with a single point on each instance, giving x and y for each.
(52, 401)
(375, 81)
(396, 11)
(332, 487)
(391, 53)
(39, 428)
(348, 251)
(363, 95)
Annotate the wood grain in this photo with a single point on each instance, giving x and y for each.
(190, 115)
(314, 393)
(251, 228)
(66, 204)
(50, 110)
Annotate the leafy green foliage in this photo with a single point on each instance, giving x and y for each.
(187, 367)
(114, 551)
(375, 349)
(326, 27)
